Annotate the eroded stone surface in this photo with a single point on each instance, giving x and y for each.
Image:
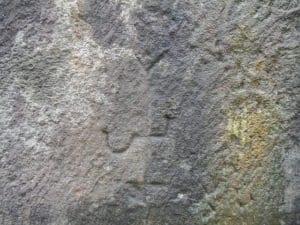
(149, 112)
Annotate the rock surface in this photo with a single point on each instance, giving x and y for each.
(154, 112)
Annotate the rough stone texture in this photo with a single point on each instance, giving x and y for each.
(154, 112)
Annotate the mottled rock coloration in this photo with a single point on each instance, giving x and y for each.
(149, 112)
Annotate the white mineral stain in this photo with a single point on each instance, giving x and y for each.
(86, 79)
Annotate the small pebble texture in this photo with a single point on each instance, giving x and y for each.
(149, 112)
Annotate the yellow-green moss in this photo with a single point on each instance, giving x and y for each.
(250, 129)
(246, 185)
(242, 195)
(243, 39)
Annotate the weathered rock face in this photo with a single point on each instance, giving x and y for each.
(154, 112)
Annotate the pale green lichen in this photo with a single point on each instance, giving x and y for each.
(243, 196)
(247, 173)
(243, 40)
